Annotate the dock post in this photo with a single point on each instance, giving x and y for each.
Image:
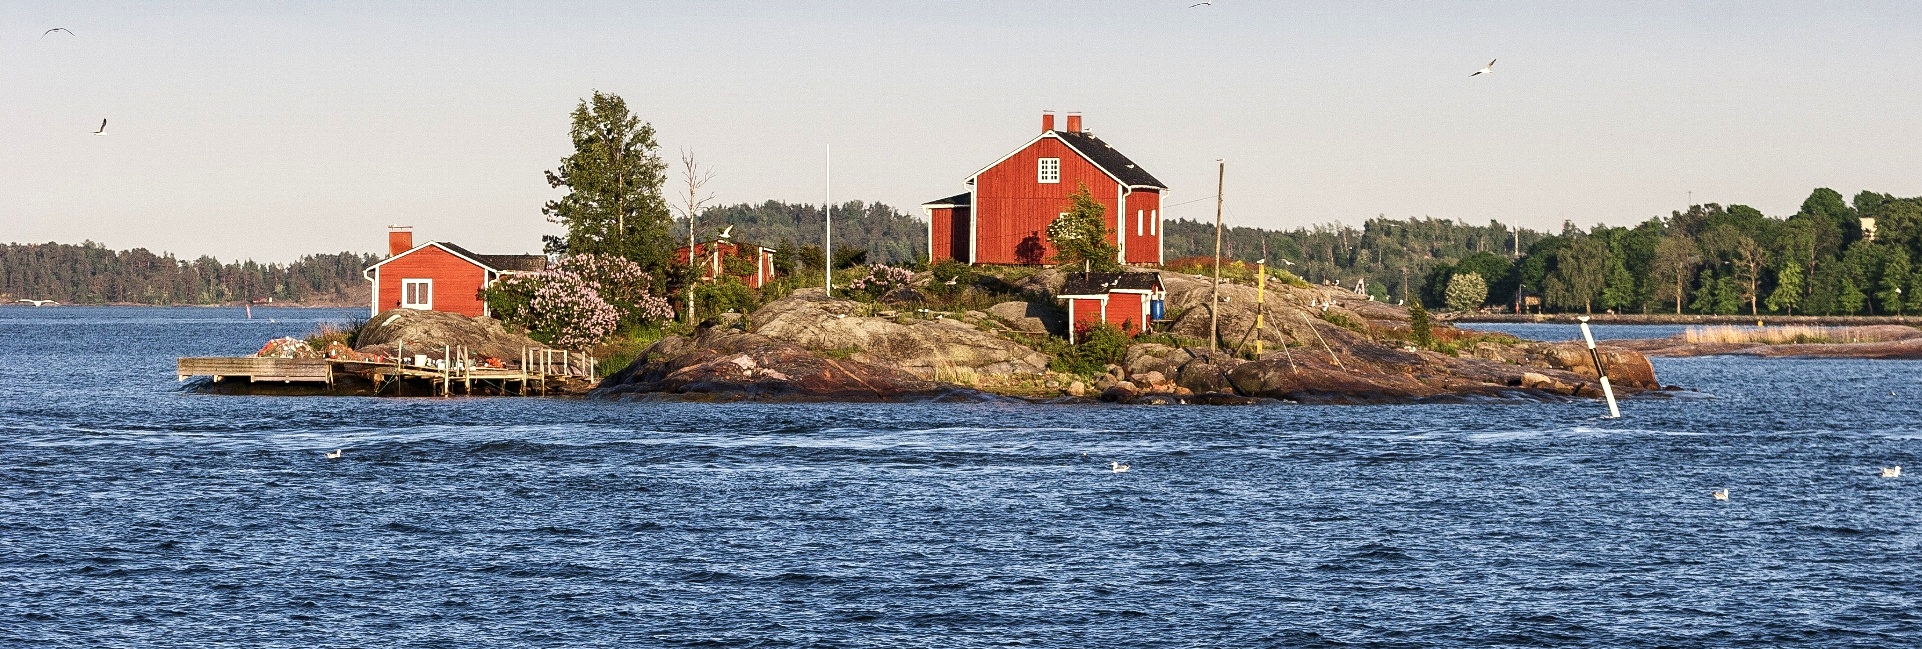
(1607, 392)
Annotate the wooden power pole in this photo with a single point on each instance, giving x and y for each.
(1214, 296)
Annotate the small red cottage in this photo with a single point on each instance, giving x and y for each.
(1004, 216)
(713, 256)
(1129, 301)
(439, 276)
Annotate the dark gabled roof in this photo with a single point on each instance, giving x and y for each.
(527, 263)
(957, 200)
(1102, 283)
(1109, 159)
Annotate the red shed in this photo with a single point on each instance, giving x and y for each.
(1125, 300)
(1004, 216)
(439, 276)
(713, 254)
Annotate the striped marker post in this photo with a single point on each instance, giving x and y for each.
(1607, 392)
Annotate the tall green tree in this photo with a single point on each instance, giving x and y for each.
(1081, 236)
(1788, 289)
(1466, 292)
(614, 203)
(1580, 271)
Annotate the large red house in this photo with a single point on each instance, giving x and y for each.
(439, 276)
(1004, 216)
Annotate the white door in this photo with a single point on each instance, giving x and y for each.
(417, 294)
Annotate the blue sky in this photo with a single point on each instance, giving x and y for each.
(267, 131)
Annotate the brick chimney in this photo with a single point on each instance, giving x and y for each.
(1047, 121)
(400, 238)
(1074, 122)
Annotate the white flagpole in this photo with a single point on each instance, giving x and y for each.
(827, 243)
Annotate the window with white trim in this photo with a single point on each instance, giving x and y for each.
(1154, 217)
(417, 294)
(1049, 171)
(1138, 220)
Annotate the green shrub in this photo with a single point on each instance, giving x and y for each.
(1420, 327)
(1100, 346)
(727, 294)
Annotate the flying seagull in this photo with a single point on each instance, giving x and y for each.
(57, 29)
(1486, 69)
(103, 127)
(727, 231)
(1891, 472)
(1198, 4)
(47, 302)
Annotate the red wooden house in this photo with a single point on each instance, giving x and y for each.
(714, 254)
(439, 276)
(1003, 218)
(1129, 301)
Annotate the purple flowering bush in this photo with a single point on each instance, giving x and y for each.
(580, 302)
(881, 278)
(569, 311)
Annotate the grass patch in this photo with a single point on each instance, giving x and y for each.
(1793, 335)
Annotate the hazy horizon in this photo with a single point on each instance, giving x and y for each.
(267, 132)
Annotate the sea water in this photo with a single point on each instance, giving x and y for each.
(135, 514)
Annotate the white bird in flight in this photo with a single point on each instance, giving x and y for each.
(727, 232)
(39, 302)
(1486, 69)
(57, 29)
(103, 127)
(1199, 4)
(1891, 472)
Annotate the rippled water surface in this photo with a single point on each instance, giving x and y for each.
(137, 515)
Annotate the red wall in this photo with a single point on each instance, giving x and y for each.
(1144, 248)
(1013, 210)
(1087, 314)
(457, 282)
(1124, 310)
(950, 233)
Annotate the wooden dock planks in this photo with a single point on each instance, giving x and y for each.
(285, 370)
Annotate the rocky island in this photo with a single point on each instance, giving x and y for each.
(1324, 344)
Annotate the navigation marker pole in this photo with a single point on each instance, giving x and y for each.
(1607, 392)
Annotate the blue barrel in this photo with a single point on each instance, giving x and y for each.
(1155, 308)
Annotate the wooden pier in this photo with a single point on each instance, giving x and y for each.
(454, 371)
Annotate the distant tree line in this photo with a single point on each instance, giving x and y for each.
(1832, 257)
(884, 234)
(90, 273)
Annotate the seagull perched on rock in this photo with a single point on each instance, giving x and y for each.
(1486, 69)
(57, 29)
(103, 127)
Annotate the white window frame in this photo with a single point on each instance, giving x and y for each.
(406, 297)
(1154, 219)
(1138, 219)
(1048, 171)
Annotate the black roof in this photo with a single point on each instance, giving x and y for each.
(1108, 158)
(1101, 283)
(502, 262)
(958, 200)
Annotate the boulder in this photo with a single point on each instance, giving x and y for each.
(426, 332)
(925, 348)
(1207, 372)
(725, 364)
(1030, 317)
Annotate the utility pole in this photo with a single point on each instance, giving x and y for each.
(1214, 306)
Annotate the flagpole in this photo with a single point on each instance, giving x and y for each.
(827, 241)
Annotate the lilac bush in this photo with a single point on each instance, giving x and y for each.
(881, 278)
(569, 310)
(621, 283)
